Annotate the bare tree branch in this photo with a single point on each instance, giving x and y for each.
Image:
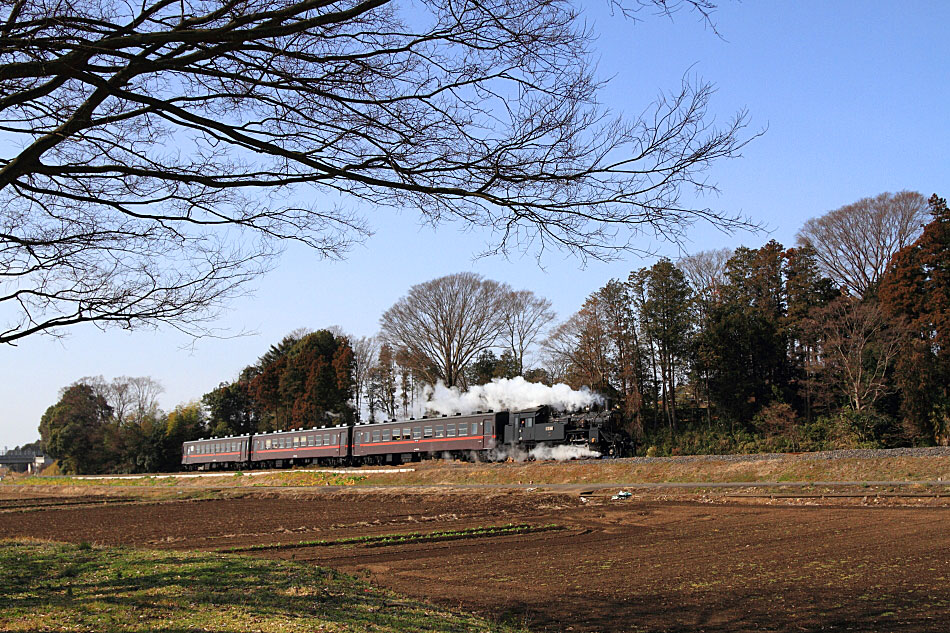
(157, 151)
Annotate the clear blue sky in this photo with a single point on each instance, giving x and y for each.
(855, 97)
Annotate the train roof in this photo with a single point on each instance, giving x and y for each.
(222, 437)
(429, 418)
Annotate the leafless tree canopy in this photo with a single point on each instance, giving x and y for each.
(858, 348)
(525, 316)
(855, 243)
(446, 322)
(156, 152)
(132, 398)
(706, 271)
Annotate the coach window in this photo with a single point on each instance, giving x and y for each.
(326, 438)
(488, 427)
(385, 435)
(296, 441)
(463, 429)
(375, 436)
(440, 431)
(416, 432)
(427, 431)
(474, 428)
(450, 430)
(396, 435)
(407, 433)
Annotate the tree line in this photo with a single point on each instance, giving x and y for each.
(838, 341)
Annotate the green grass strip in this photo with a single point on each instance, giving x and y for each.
(382, 540)
(65, 587)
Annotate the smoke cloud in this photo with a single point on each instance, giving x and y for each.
(543, 452)
(504, 393)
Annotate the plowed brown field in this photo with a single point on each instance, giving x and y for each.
(643, 564)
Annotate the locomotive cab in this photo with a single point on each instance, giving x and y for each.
(530, 427)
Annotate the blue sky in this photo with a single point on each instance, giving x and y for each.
(854, 98)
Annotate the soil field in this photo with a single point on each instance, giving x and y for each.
(642, 564)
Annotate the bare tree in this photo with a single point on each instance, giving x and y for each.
(706, 272)
(130, 398)
(857, 349)
(855, 243)
(144, 391)
(444, 323)
(525, 315)
(365, 353)
(578, 348)
(156, 151)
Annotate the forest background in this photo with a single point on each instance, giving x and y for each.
(837, 342)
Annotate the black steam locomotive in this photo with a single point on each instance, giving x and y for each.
(486, 436)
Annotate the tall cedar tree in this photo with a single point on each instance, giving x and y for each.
(304, 380)
(667, 314)
(745, 343)
(916, 291)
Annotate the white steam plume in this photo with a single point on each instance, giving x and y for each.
(543, 452)
(504, 393)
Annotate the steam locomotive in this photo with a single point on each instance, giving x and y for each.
(485, 436)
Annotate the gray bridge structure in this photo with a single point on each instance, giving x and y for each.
(22, 460)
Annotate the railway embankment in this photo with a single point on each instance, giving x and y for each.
(902, 466)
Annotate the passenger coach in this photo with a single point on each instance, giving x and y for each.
(219, 452)
(407, 440)
(326, 445)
